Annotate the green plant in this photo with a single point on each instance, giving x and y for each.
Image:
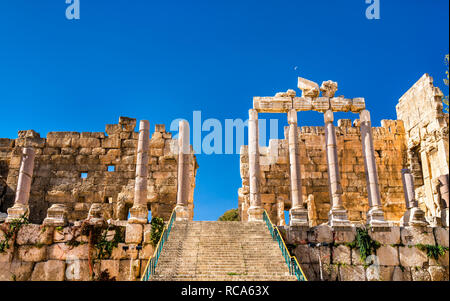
(230, 215)
(433, 251)
(157, 230)
(106, 247)
(11, 232)
(364, 243)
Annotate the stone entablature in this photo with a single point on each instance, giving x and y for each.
(108, 160)
(390, 155)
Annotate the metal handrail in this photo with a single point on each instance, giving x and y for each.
(291, 261)
(151, 264)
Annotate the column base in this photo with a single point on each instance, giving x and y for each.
(56, 216)
(17, 211)
(138, 215)
(298, 217)
(255, 214)
(414, 217)
(338, 220)
(375, 220)
(182, 213)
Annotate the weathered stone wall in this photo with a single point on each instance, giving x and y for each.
(62, 158)
(47, 254)
(390, 152)
(426, 128)
(398, 258)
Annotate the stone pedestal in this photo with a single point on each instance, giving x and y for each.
(139, 211)
(182, 212)
(298, 217)
(337, 217)
(95, 215)
(56, 216)
(413, 216)
(375, 216)
(255, 214)
(17, 211)
(21, 208)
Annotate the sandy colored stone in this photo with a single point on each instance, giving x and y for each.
(51, 270)
(133, 234)
(34, 234)
(438, 273)
(352, 273)
(412, 257)
(417, 235)
(32, 253)
(341, 255)
(388, 255)
(442, 236)
(15, 271)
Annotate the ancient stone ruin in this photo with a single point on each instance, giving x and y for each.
(88, 196)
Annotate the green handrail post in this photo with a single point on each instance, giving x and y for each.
(151, 264)
(291, 261)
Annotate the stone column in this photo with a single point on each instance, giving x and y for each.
(413, 216)
(298, 214)
(21, 207)
(280, 212)
(139, 211)
(184, 183)
(375, 216)
(444, 193)
(337, 217)
(255, 211)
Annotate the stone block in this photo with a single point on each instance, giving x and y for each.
(389, 238)
(442, 236)
(51, 270)
(32, 253)
(438, 273)
(417, 235)
(321, 233)
(34, 235)
(134, 233)
(420, 274)
(62, 251)
(401, 274)
(341, 255)
(352, 273)
(112, 266)
(345, 236)
(412, 257)
(388, 256)
(307, 254)
(15, 271)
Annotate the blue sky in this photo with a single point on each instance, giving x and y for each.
(162, 60)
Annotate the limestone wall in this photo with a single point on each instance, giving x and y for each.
(390, 153)
(398, 258)
(426, 128)
(63, 157)
(41, 253)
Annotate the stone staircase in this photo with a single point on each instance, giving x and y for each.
(221, 251)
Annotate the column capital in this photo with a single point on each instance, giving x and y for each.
(364, 116)
(328, 116)
(144, 125)
(252, 114)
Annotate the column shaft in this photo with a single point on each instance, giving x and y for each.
(21, 207)
(413, 216)
(337, 216)
(184, 183)
(255, 210)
